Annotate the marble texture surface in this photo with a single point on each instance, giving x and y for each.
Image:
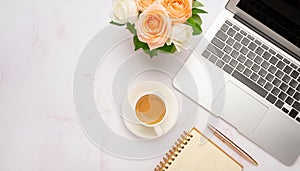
(41, 41)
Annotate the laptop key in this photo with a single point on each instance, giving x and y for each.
(290, 91)
(226, 58)
(262, 92)
(275, 91)
(230, 41)
(286, 61)
(296, 105)
(251, 55)
(285, 110)
(255, 68)
(279, 74)
(220, 63)
(252, 46)
(213, 58)
(286, 79)
(271, 98)
(293, 83)
(298, 88)
(206, 54)
(262, 72)
(247, 72)
(238, 37)
(254, 77)
(245, 41)
(276, 82)
(297, 96)
(244, 50)
(248, 63)
(287, 69)
(228, 69)
(257, 42)
(265, 47)
(293, 113)
(266, 55)
(265, 64)
(279, 56)
(294, 66)
(218, 43)
(273, 60)
(282, 96)
(227, 49)
(224, 27)
(272, 51)
(250, 37)
(269, 77)
(241, 58)
(240, 67)
(295, 74)
(298, 119)
(233, 63)
(268, 86)
(279, 103)
(221, 35)
(231, 32)
(259, 51)
(272, 69)
(243, 32)
(237, 46)
(258, 60)
(215, 50)
(289, 100)
(280, 65)
(283, 87)
(228, 23)
(236, 28)
(261, 81)
(234, 54)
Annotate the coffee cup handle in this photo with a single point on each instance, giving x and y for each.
(158, 130)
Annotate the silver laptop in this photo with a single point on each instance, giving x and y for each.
(247, 72)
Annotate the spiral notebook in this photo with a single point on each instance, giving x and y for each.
(195, 152)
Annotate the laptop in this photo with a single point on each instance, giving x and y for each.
(247, 71)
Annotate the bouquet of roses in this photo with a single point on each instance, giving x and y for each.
(159, 25)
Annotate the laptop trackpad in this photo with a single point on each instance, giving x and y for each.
(238, 108)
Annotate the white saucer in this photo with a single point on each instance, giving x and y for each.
(128, 113)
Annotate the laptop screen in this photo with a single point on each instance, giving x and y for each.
(282, 16)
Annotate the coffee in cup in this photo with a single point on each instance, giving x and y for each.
(150, 110)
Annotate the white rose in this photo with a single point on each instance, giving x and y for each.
(181, 36)
(124, 11)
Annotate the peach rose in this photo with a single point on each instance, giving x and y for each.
(178, 10)
(154, 26)
(143, 4)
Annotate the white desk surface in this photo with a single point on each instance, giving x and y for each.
(40, 43)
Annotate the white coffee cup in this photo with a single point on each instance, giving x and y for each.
(150, 110)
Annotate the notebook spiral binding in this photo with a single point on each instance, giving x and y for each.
(174, 152)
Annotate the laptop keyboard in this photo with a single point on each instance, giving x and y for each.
(258, 66)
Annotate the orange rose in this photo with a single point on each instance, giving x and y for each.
(178, 10)
(143, 4)
(154, 26)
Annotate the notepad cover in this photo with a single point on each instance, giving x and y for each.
(201, 154)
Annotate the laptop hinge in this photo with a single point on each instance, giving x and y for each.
(266, 37)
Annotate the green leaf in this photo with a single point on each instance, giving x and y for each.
(131, 28)
(197, 10)
(168, 48)
(151, 53)
(138, 44)
(197, 4)
(117, 24)
(197, 29)
(197, 19)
